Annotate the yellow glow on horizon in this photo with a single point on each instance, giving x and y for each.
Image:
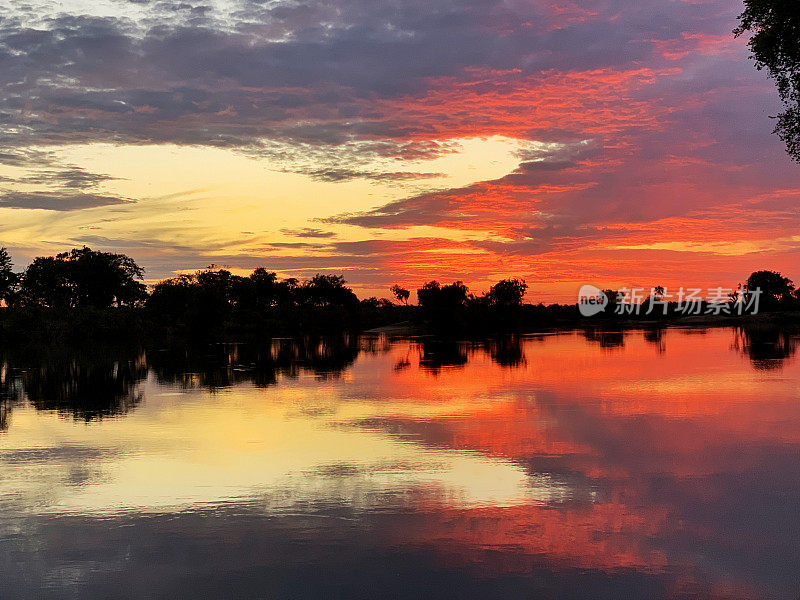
(215, 201)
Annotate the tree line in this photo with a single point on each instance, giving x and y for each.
(83, 277)
(214, 301)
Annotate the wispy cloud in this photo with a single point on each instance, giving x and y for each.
(308, 232)
(57, 202)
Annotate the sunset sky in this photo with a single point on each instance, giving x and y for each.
(616, 142)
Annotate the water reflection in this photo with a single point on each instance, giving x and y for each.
(437, 354)
(84, 386)
(519, 467)
(506, 351)
(224, 365)
(767, 347)
(656, 337)
(86, 390)
(106, 383)
(10, 392)
(605, 338)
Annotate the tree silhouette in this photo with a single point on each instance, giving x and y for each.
(507, 293)
(428, 294)
(46, 283)
(7, 276)
(444, 307)
(328, 291)
(200, 301)
(81, 278)
(260, 291)
(172, 298)
(614, 298)
(432, 296)
(214, 303)
(401, 293)
(775, 25)
(774, 287)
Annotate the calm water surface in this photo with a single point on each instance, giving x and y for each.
(660, 464)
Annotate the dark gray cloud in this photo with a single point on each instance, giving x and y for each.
(297, 72)
(70, 178)
(558, 157)
(308, 232)
(67, 188)
(336, 175)
(56, 201)
(424, 209)
(25, 157)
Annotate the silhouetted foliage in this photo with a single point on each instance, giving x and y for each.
(507, 293)
(444, 307)
(428, 295)
(82, 295)
(502, 304)
(213, 300)
(432, 296)
(324, 291)
(262, 290)
(775, 288)
(200, 302)
(377, 312)
(613, 298)
(775, 28)
(173, 299)
(8, 278)
(81, 278)
(401, 293)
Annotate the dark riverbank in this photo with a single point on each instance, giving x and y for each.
(138, 326)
